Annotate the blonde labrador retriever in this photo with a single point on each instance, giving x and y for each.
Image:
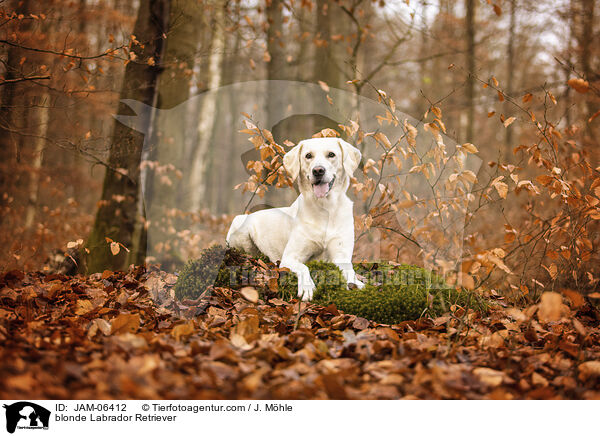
(318, 225)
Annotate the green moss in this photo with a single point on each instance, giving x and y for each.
(326, 276)
(392, 293)
(218, 266)
(390, 304)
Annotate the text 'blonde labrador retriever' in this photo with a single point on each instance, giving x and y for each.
(318, 225)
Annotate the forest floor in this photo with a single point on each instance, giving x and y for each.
(120, 335)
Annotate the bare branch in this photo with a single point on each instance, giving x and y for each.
(108, 52)
(24, 79)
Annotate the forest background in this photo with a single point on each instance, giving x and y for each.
(513, 82)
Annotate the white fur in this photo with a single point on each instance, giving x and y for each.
(312, 227)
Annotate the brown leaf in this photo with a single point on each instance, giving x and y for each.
(115, 248)
(579, 327)
(323, 85)
(509, 121)
(465, 280)
(538, 380)
(544, 179)
(576, 299)
(579, 85)
(125, 323)
(83, 306)
(239, 341)
(334, 385)
(489, 376)
(501, 188)
(588, 370)
(183, 330)
(102, 325)
(250, 294)
(248, 327)
(551, 307)
(360, 323)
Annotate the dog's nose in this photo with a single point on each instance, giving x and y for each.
(318, 171)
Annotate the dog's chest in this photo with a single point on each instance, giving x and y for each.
(324, 225)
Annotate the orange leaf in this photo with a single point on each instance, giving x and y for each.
(183, 330)
(323, 86)
(579, 85)
(125, 323)
(509, 121)
(590, 119)
(250, 294)
(115, 248)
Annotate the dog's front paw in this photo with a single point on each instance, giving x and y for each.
(356, 284)
(306, 290)
(352, 280)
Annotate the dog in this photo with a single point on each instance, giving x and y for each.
(319, 225)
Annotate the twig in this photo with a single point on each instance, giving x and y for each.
(23, 79)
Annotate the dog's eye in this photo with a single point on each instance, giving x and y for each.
(331, 154)
(308, 155)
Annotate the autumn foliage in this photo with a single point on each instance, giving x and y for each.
(123, 335)
(481, 163)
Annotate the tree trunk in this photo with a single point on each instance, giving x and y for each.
(470, 25)
(510, 77)
(168, 135)
(587, 44)
(11, 115)
(276, 70)
(276, 65)
(425, 79)
(326, 69)
(118, 211)
(228, 202)
(198, 184)
(37, 159)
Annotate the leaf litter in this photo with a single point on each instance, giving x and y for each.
(120, 335)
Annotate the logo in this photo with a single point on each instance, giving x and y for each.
(26, 415)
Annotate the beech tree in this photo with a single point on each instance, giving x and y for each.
(111, 243)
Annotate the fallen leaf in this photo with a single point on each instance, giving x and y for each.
(590, 369)
(239, 341)
(125, 323)
(551, 307)
(360, 323)
(83, 307)
(489, 376)
(538, 380)
(183, 330)
(250, 294)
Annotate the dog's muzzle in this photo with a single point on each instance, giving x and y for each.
(321, 188)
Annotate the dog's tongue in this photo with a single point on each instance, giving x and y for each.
(321, 189)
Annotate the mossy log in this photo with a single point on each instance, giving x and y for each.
(392, 293)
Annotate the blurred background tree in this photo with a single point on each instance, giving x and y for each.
(69, 171)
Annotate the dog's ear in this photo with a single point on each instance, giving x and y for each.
(291, 161)
(351, 156)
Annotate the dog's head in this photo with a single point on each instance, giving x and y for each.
(322, 165)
